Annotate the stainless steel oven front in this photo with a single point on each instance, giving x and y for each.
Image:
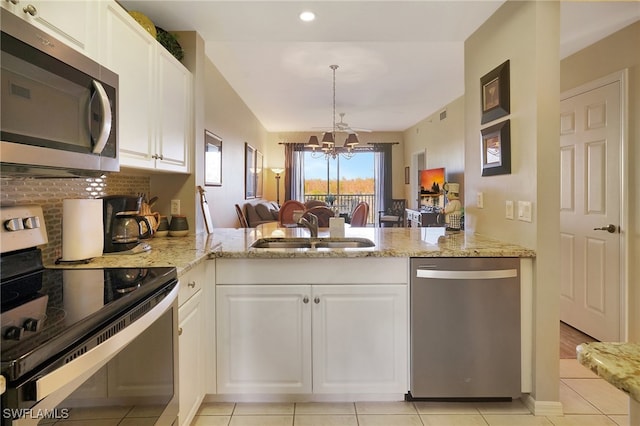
(131, 376)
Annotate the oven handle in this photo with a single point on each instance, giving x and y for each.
(100, 355)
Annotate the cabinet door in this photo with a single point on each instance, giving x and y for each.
(263, 339)
(360, 339)
(191, 357)
(74, 22)
(174, 114)
(129, 51)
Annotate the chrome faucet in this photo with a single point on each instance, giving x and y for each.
(311, 224)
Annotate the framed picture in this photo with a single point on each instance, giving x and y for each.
(249, 171)
(212, 159)
(259, 174)
(407, 177)
(496, 149)
(495, 93)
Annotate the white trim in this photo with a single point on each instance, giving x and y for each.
(622, 77)
(543, 408)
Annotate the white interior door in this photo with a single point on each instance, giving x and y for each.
(590, 144)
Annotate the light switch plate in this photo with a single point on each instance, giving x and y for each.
(508, 211)
(524, 211)
(480, 200)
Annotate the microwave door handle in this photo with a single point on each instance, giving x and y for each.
(105, 126)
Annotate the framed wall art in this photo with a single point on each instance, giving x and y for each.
(496, 149)
(249, 171)
(495, 93)
(212, 159)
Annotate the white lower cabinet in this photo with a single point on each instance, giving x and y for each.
(264, 338)
(359, 339)
(195, 340)
(331, 339)
(191, 365)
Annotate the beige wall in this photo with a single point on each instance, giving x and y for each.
(443, 141)
(614, 53)
(226, 115)
(527, 34)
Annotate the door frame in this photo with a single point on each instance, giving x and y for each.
(622, 77)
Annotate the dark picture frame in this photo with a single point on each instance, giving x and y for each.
(494, 93)
(259, 167)
(496, 149)
(407, 175)
(249, 171)
(212, 159)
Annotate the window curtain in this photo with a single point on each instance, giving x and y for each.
(382, 174)
(294, 171)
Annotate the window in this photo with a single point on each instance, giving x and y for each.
(338, 181)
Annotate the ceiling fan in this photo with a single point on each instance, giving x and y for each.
(342, 126)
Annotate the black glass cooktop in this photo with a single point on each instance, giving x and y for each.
(46, 311)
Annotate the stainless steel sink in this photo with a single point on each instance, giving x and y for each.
(344, 243)
(282, 243)
(310, 243)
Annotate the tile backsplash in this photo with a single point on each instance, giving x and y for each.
(49, 194)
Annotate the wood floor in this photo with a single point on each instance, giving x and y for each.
(569, 339)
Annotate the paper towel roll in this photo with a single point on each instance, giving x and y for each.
(82, 229)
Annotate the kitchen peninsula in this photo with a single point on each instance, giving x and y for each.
(305, 323)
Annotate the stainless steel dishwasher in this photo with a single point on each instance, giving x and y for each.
(465, 328)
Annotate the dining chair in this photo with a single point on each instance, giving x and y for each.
(241, 217)
(360, 214)
(314, 203)
(323, 213)
(393, 214)
(285, 215)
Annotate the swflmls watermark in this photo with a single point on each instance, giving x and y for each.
(30, 413)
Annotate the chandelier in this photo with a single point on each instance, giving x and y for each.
(328, 147)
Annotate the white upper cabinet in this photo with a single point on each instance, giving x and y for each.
(155, 95)
(74, 22)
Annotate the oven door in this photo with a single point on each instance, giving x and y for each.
(132, 375)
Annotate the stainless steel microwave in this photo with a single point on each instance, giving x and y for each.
(59, 110)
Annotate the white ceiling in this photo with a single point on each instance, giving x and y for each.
(399, 61)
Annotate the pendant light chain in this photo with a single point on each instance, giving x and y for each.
(334, 68)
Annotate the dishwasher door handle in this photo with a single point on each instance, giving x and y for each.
(466, 275)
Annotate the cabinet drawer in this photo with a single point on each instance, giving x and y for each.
(190, 282)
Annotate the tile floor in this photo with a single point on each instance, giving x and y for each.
(587, 400)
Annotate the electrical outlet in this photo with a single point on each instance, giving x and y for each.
(175, 207)
(480, 200)
(524, 211)
(508, 211)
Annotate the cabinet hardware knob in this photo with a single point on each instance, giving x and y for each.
(305, 300)
(14, 1)
(179, 331)
(316, 300)
(192, 284)
(30, 9)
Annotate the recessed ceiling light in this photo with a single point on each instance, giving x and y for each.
(307, 16)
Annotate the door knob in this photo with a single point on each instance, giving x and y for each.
(611, 228)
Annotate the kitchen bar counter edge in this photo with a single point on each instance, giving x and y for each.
(186, 252)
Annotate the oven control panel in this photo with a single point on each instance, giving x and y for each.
(21, 227)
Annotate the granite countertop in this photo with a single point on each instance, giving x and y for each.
(617, 363)
(185, 252)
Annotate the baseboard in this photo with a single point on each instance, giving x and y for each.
(302, 397)
(543, 408)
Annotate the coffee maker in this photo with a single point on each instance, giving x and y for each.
(123, 227)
